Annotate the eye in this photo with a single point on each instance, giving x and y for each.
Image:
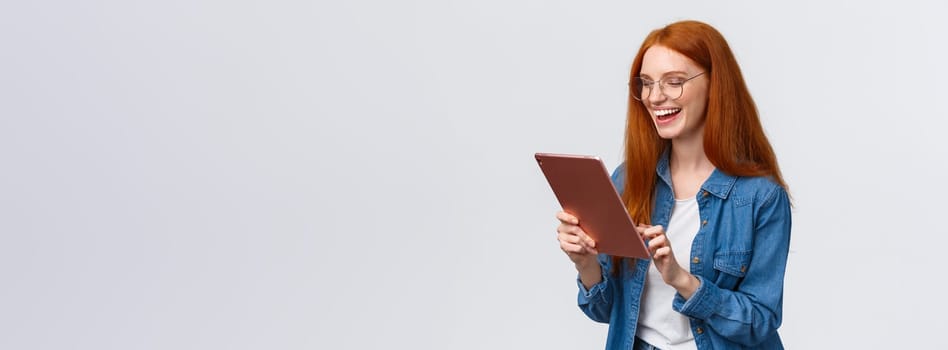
(674, 82)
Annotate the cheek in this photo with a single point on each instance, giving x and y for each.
(697, 111)
(698, 102)
(702, 108)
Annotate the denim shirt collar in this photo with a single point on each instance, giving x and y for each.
(718, 184)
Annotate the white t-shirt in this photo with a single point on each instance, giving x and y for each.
(659, 324)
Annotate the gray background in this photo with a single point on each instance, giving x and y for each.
(359, 174)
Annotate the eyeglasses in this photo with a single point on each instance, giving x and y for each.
(671, 87)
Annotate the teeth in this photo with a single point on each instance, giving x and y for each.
(664, 112)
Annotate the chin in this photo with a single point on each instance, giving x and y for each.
(668, 133)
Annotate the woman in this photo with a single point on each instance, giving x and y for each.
(706, 189)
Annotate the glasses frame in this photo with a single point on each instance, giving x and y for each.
(661, 87)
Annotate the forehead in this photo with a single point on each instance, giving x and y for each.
(659, 60)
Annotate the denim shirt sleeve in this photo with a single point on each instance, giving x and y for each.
(752, 313)
(596, 302)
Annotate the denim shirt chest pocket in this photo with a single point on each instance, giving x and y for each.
(734, 248)
(730, 268)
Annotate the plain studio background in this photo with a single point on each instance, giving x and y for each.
(359, 174)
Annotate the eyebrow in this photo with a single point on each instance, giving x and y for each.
(665, 74)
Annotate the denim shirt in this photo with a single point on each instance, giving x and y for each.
(739, 256)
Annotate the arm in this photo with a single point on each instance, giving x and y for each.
(753, 312)
(596, 300)
(590, 274)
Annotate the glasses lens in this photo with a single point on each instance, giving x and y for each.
(640, 90)
(673, 91)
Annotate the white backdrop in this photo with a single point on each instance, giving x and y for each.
(359, 174)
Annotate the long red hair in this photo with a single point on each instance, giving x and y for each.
(734, 139)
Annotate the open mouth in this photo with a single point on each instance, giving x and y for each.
(666, 114)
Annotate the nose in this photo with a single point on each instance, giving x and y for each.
(656, 95)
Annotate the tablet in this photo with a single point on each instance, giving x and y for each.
(584, 189)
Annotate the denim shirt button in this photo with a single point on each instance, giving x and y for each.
(696, 260)
(705, 222)
(699, 330)
(704, 193)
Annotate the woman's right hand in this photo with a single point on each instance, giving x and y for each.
(580, 248)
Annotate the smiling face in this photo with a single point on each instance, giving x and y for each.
(675, 118)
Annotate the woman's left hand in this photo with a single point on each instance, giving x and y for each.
(664, 259)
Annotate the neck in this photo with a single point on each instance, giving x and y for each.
(689, 166)
(688, 155)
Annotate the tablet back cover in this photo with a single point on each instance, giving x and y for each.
(582, 186)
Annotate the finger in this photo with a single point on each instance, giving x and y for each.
(654, 231)
(661, 253)
(581, 240)
(567, 218)
(575, 235)
(564, 228)
(572, 248)
(649, 235)
(578, 231)
(643, 229)
(569, 238)
(657, 243)
(571, 230)
(587, 241)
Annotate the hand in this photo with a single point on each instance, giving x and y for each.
(580, 248)
(664, 259)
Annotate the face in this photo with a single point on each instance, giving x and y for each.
(679, 118)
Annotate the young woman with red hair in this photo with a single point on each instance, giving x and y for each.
(703, 182)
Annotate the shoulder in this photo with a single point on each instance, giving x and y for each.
(618, 176)
(762, 190)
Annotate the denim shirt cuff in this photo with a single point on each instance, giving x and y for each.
(596, 291)
(702, 303)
